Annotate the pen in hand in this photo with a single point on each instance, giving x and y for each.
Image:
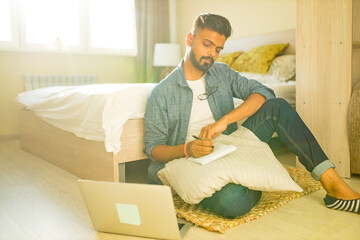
(196, 137)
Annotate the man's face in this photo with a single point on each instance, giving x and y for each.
(205, 47)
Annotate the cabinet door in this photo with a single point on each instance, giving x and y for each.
(324, 63)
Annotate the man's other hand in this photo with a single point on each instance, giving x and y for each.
(213, 130)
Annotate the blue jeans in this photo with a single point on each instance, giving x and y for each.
(275, 115)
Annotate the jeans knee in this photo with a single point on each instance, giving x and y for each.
(279, 105)
(232, 212)
(278, 102)
(232, 201)
(239, 206)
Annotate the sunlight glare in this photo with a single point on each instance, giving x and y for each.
(110, 26)
(48, 19)
(5, 31)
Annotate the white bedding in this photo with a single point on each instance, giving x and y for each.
(99, 111)
(94, 112)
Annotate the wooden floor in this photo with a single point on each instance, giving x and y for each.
(40, 201)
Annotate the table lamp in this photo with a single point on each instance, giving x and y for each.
(166, 55)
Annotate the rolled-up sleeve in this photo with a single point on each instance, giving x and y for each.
(242, 87)
(156, 122)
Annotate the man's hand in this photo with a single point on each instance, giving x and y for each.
(213, 130)
(199, 148)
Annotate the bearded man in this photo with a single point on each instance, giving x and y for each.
(197, 99)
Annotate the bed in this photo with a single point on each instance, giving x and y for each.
(116, 137)
(75, 128)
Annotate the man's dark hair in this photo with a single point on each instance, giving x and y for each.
(213, 22)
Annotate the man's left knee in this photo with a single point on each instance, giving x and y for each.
(278, 101)
(278, 104)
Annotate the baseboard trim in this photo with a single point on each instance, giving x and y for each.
(4, 137)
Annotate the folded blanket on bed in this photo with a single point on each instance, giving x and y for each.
(94, 112)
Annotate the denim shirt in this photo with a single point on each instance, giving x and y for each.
(169, 105)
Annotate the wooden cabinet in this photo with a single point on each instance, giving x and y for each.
(327, 69)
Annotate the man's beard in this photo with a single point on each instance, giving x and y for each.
(197, 64)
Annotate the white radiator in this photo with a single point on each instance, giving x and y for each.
(35, 81)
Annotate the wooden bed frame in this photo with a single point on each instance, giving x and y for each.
(88, 159)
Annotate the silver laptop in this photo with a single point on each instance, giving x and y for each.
(133, 209)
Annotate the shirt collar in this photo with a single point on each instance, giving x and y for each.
(181, 80)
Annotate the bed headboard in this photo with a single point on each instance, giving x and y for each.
(35, 81)
(247, 43)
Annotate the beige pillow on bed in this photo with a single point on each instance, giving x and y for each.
(253, 165)
(283, 68)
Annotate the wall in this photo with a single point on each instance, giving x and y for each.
(109, 69)
(247, 17)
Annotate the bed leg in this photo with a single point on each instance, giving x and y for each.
(121, 172)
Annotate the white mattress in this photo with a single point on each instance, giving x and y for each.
(99, 111)
(285, 90)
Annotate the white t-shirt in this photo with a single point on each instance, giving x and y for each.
(201, 115)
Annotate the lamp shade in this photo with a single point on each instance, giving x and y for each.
(166, 54)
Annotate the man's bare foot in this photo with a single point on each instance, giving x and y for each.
(336, 187)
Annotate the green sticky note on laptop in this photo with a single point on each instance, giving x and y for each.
(128, 213)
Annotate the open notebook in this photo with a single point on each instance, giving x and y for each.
(220, 150)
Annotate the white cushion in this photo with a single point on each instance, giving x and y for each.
(283, 68)
(252, 165)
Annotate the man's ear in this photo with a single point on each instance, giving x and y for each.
(189, 38)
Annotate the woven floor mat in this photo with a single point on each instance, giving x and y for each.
(268, 202)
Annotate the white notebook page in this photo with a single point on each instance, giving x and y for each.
(220, 150)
